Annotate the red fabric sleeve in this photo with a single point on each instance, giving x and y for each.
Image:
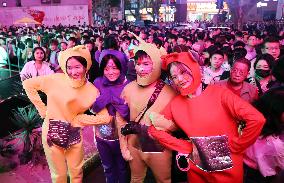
(170, 142)
(242, 110)
(167, 112)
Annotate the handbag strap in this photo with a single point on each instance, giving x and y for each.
(158, 88)
(259, 87)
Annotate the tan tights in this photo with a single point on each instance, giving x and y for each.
(160, 164)
(60, 160)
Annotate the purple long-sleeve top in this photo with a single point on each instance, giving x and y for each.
(110, 96)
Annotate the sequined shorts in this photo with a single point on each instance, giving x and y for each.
(62, 134)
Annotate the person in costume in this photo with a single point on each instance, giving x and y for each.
(147, 93)
(110, 86)
(69, 95)
(210, 120)
(111, 47)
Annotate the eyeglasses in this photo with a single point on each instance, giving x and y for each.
(241, 72)
(272, 48)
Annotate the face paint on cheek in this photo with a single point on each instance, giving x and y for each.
(148, 69)
(143, 71)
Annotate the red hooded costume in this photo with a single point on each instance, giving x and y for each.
(215, 111)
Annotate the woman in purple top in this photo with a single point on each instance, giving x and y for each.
(110, 85)
(111, 47)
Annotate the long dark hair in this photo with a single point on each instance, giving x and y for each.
(271, 105)
(105, 60)
(267, 57)
(39, 48)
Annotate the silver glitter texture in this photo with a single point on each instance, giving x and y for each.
(108, 131)
(211, 153)
(62, 134)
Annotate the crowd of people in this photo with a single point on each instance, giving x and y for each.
(141, 87)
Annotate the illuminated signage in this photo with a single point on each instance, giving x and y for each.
(260, 4)
(204, 7)
(201, 1)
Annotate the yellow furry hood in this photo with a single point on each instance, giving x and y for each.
(155, 55)
(80, 50)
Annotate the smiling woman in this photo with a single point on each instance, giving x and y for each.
(181, 75)
(110, 67)
(76, 67)
(64, 114)
(187, 111)
(36, 67)
(110, 85)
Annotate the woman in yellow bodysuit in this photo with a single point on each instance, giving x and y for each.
(69, 95)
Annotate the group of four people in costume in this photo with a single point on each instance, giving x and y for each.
(135, 119)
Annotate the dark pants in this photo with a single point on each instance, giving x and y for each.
(254, 176)
(115, 167)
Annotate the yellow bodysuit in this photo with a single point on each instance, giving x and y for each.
(65, 102)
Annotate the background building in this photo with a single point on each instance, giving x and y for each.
(267, 9)
(202, 9)
(27, 3)
(48, 12)
(280, 9)
(191, 10)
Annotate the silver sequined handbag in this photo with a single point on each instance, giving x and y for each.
(211, 153)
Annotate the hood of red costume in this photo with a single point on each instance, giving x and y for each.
(187, 59)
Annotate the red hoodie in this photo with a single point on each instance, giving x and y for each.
(215, 112)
